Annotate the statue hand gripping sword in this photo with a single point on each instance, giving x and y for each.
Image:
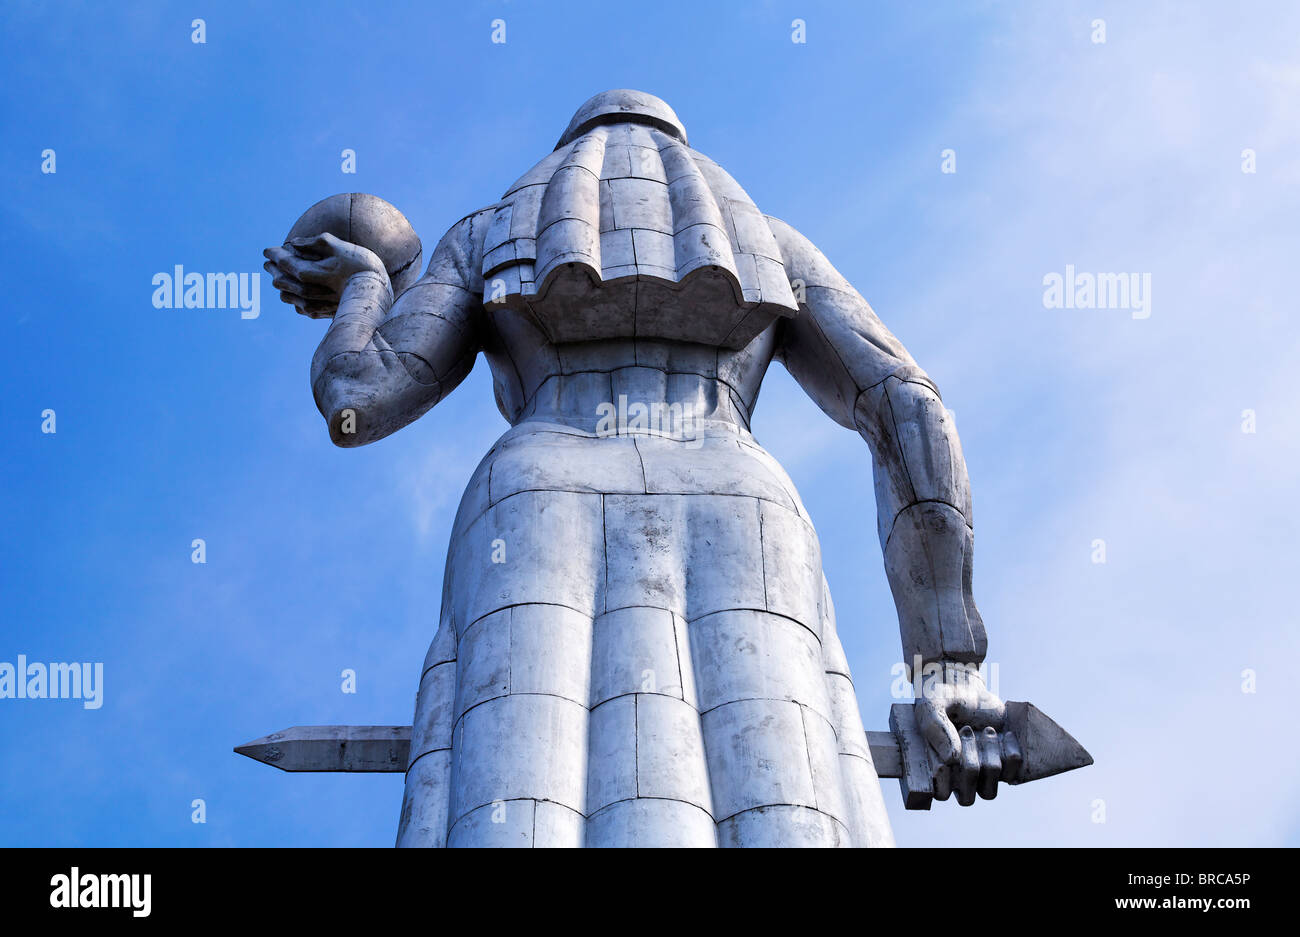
(656, 663)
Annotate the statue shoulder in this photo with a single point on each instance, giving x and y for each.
(458, 258)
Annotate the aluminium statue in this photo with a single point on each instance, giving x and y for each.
(637, 645)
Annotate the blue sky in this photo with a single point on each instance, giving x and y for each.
(1077, 424)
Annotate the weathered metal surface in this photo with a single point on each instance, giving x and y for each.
(636, 644)
(333, 748)
(1029, 747)
(387, 748)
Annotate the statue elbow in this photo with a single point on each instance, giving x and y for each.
(907, 396)
(347, 405)
(347, 428)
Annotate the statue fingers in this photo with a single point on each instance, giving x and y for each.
(312, 309)
(938, 729)
(1012, 757)
(287, 284)
(279, 255)
(978, 710)
(990, 752)
(301, 268)
(317, 246)
(967, 769)
(277, 280)
(318, 310)
(942, 780)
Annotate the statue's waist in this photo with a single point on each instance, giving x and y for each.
(544, 456)
(638, 401)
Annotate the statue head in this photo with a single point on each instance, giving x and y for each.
(620, 105)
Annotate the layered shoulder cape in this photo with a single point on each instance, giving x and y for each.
(625, 231)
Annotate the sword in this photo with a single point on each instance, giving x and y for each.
(1033, 747)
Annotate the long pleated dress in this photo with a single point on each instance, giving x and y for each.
(636, 644)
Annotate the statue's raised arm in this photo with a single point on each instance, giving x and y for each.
(386, 359)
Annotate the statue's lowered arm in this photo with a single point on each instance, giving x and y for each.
(863, 378)
(384, 361)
